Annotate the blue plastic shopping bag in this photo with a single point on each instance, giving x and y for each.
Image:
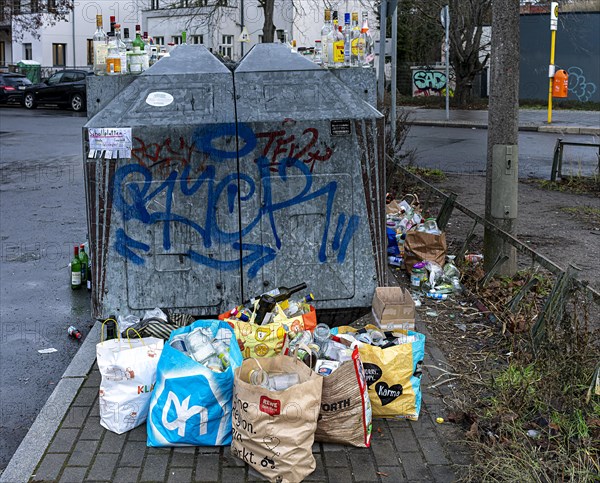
(191, 404)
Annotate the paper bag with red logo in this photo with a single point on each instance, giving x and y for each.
(128, 370)
(273, 431)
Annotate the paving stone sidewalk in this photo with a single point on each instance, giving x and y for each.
(422, 450)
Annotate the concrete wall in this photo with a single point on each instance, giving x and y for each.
(577, 52)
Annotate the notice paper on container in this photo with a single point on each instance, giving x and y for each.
(110, 142)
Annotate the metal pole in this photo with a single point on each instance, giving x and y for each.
(394, 69)
(553, 27)
(73, 31)
(382, 34)
(447, 49)
(242, 21)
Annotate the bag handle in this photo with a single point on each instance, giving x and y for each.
(308, 350)
(138, 334)
(102, 330)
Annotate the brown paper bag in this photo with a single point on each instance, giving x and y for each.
(273, 431)
(420, 246)
(345, 406)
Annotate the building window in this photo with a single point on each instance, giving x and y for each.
(16, 7)
(176, 39)
(90, 52)
(221, 3)
(197, 39)
(260, 39)
(34, 6)
(154, 5)
(27, 52)
(2, 58)
(159, 40)
(51, 6)
(226, 47)
(59, 55)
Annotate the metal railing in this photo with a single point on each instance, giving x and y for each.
(557, 160)
(565, 280)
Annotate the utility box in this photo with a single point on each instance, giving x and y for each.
(205, 186)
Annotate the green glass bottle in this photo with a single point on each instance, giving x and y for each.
(75, 269)
(83, 258)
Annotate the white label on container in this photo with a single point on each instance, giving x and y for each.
(110, 139)
(159, 99)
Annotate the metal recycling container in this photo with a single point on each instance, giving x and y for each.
(161, 229)
(193, 209)
(312, 180)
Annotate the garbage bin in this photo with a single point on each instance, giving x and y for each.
(31, 69)
(314, 182)
(195, 209)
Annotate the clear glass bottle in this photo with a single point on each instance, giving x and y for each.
(355, 35)
(127, 40)
(146, 58)
(318, 53)
(335, 45)
(325, 30)
(122, 48)
(368, 57)
(100, 47)
(347, 32)
(113, 59)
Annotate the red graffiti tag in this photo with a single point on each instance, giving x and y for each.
(163, 155)
(281, 146)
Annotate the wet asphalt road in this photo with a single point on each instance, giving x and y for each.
(42, 215)
(463, 150)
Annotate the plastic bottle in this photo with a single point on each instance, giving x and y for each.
(74, 332)
(436, 296)
(274, 382)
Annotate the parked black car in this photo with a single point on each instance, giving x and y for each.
(12, 87)
(65, 88)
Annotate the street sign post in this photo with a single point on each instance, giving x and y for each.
(551, 68)
(445, 19)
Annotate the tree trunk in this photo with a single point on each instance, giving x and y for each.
(268, 27)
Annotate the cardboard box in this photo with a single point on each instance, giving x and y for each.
(393, 308)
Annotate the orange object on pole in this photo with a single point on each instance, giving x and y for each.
(560, 86)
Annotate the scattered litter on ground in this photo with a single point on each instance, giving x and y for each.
(50, 350)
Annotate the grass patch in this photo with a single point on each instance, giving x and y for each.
(572, 184)
(590, 213)
(426, 173)
(526, 416)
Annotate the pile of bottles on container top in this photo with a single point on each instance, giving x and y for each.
(115, 54)
(349, 45)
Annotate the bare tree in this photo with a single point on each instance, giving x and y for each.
(29, 16)
(467, 42)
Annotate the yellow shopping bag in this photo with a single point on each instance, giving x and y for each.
(393, 375)
(259, 340)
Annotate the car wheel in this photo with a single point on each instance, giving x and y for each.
(29, 101)
(77, 102)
